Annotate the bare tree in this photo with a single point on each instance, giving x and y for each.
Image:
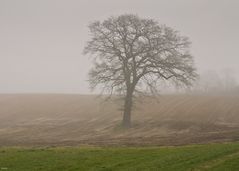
(132, 55)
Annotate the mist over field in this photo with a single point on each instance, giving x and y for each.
(43, 74)
(110, 85)
(84, 119)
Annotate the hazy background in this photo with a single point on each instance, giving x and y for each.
(41, 41)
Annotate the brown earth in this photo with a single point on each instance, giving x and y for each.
(84, 119)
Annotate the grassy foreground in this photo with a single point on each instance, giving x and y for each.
(223, 157)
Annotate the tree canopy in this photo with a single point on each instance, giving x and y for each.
(134, 55)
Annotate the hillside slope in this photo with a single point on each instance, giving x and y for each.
(81, 119)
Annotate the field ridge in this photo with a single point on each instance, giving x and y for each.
(61, 119)
(217, 161)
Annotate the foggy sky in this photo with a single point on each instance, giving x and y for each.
(41, 41)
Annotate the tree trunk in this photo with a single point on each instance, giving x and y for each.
(127, 110)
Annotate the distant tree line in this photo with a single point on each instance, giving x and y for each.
(217, 82)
